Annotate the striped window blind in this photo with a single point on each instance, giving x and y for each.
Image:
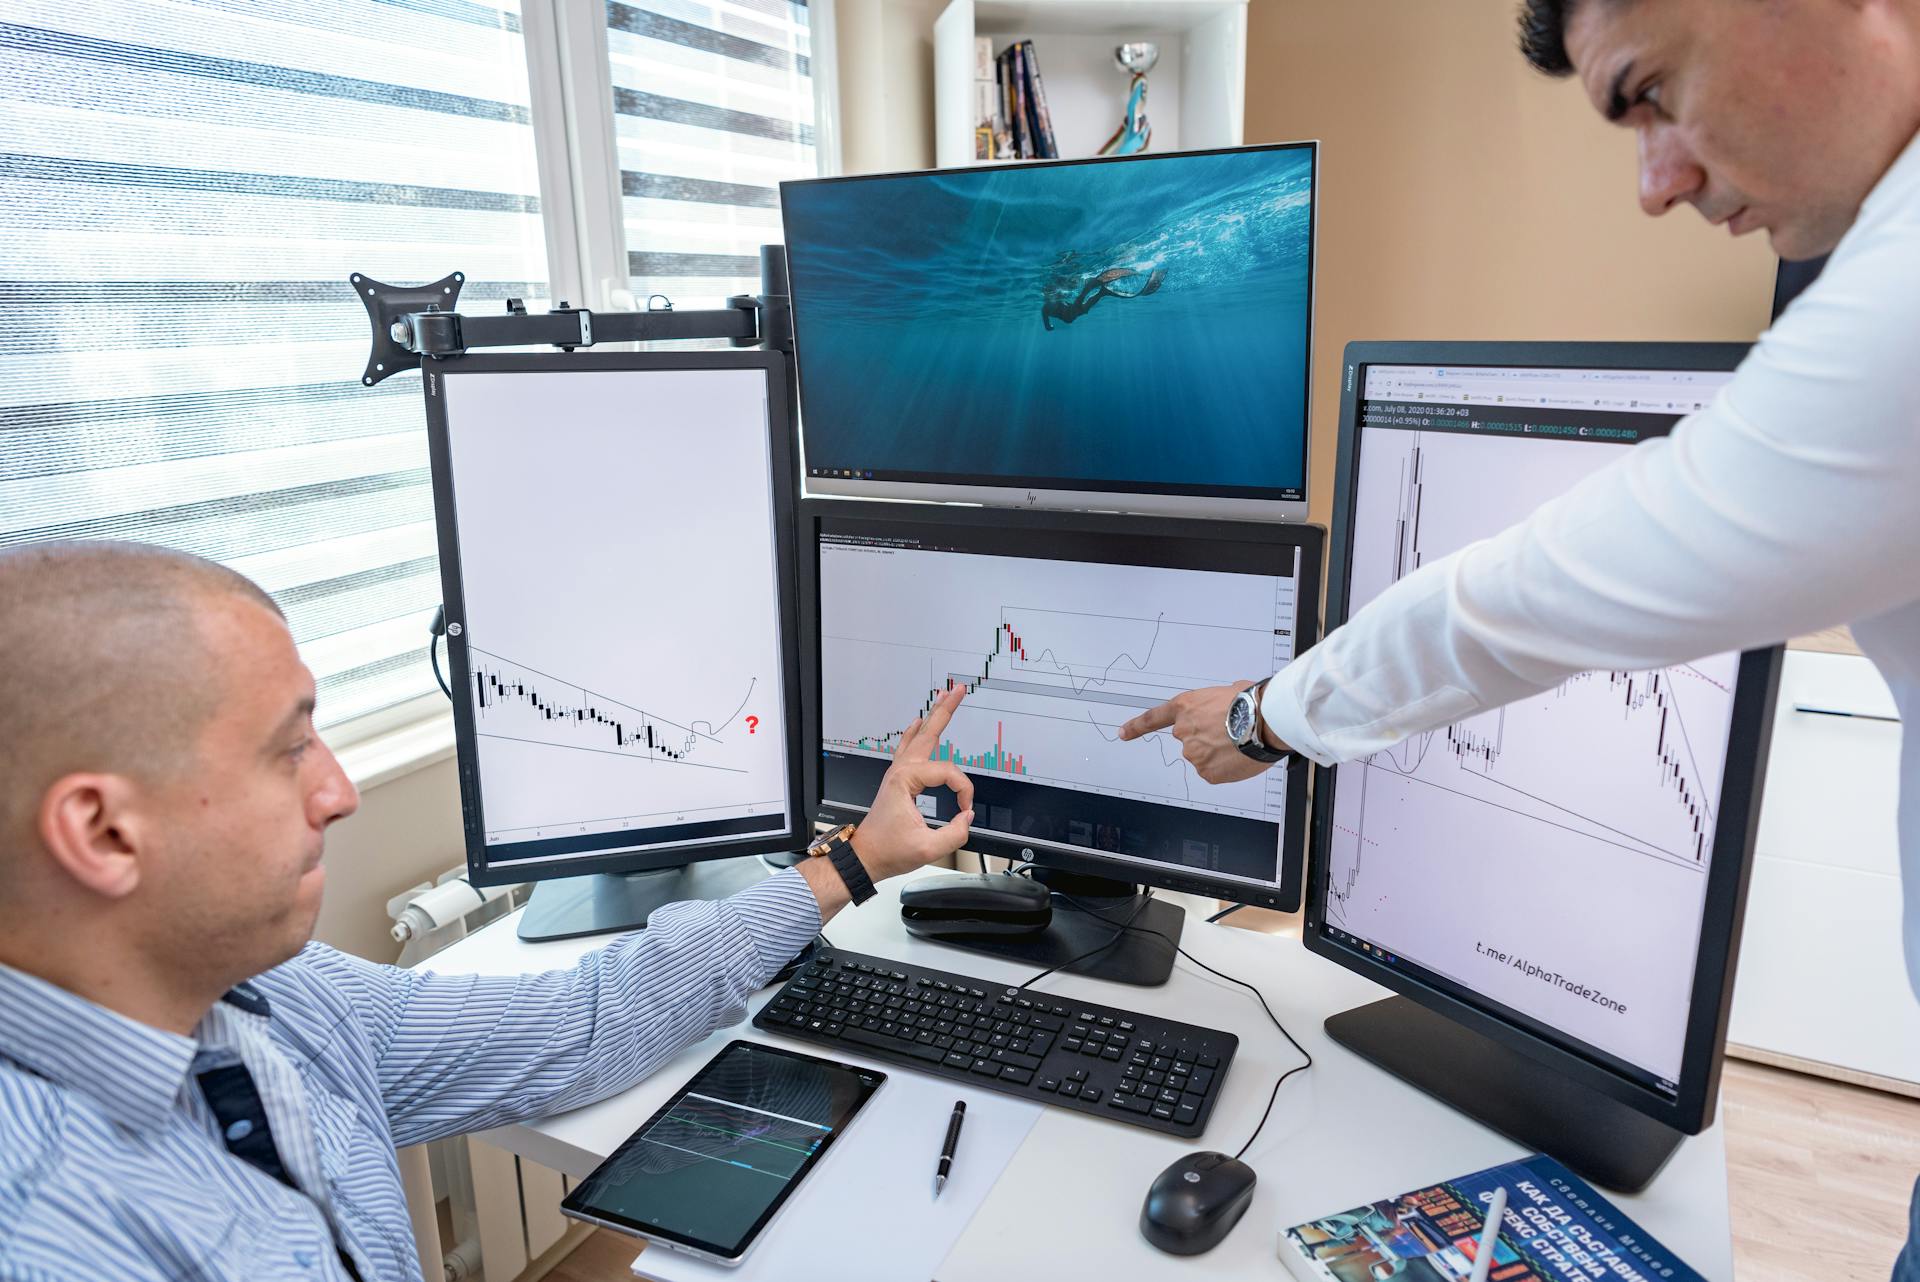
(713, 107)
(184, 189)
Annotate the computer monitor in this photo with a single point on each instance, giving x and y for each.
(1118, 334)
(1063, 626)
(616, 552)
(1554, 887)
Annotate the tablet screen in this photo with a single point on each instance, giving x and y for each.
(711, 1167)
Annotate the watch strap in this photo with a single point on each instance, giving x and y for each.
(839, 853)
(1255, 745)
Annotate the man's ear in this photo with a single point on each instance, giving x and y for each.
(91, 828)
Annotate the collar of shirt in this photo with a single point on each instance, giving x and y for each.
(67, 1039)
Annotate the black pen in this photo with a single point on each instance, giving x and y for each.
(946, 1149)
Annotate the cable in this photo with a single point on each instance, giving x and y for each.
(436, 630)
(1123, 928)
(1260, 996)
(1226, 912)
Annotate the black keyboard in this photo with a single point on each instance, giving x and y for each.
(1112, 1063)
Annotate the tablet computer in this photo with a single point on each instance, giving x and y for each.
(710, 1170)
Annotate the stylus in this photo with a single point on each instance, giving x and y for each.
(1490, 1237)
(946, 1149)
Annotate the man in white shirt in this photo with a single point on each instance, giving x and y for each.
(1792, 503)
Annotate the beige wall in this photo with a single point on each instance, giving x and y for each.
(886, 83)
(1465, 196)
(406, 831)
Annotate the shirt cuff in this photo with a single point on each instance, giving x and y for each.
(1285, 713)
(780, 916)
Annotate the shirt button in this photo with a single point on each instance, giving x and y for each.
(239, 1131)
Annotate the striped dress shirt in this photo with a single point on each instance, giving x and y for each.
(112, 1166)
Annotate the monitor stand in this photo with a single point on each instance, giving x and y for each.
(1136, 957)
(600, 903)
(1595, 1135)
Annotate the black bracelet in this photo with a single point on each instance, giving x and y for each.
(851, 870)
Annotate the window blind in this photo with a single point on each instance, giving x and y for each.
(713, 107)
(185, 188)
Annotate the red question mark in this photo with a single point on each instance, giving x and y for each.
(753, 724)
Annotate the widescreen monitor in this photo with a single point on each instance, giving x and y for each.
(615, 536)
(1062, 626)
(1563, 875)
(1120, 334)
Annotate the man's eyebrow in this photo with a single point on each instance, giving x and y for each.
(301, 711)
(1617, 104)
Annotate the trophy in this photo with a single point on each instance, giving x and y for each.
(1136, 58)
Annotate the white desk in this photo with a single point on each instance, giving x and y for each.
(1068, 1205)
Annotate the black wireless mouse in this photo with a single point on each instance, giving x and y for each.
(1196, 1202)
(963, 905)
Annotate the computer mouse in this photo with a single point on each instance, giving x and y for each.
(1196, 1202)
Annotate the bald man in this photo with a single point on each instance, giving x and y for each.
(188, 1087)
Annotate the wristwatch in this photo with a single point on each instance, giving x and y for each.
(837, 848)
(1243, 725)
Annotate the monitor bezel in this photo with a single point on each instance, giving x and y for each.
(1691, 1109)
(1045, 493)
(784, 480)
(1309, 539)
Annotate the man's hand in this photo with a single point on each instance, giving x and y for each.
(1199, 721)
(894, 837)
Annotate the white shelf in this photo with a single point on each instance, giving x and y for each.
(1196, 93)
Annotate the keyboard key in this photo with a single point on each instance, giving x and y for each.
(1136, 1103)
(1124, 1088)
(1155, 1079)
(986, 1068)
(1126, 1026)
(1134, 1072)
(1091, 1094)
(1186, 1115)
(1112, 1053)
(1162, 1063)
(957, 1061)
(1209, 1061)
(1200, 1079)
(1168, 1097)
(1014, 1073)
(1078, 1075)
(1071, 1045)
(1070, 1089)
(1049, 1083)
(1177, 1081)
(1009, 1057)
(1191, 1100)
(1161, 1111)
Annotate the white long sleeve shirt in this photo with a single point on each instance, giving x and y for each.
(1791, 503)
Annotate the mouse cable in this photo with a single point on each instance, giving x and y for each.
(1228, 911)
(1121, 929)
(1305, 1055)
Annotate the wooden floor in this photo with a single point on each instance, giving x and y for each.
(1819, 1175)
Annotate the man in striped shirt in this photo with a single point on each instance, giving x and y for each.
(188, 1087)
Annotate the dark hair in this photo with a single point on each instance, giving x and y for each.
(1543, 35)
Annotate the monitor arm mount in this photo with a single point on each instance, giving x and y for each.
(415, 321)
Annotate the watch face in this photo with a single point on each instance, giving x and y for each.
(1239, 718)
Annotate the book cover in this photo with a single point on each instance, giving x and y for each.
(1042, 118)
(1556, 1229)
(983, 57)
(1017, 77)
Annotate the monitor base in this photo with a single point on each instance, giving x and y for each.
(601, 903)
(1134, 958)
(1595, 1135)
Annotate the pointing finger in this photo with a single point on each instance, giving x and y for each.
(1147, 722)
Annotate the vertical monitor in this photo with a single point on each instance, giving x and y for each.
(615, 547)
(1119, 334)
(1565, 870)
(1062, 627)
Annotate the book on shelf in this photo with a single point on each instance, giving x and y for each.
(1556, 1229)
(1046, 147)
(986, 101)
(1016, 95)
